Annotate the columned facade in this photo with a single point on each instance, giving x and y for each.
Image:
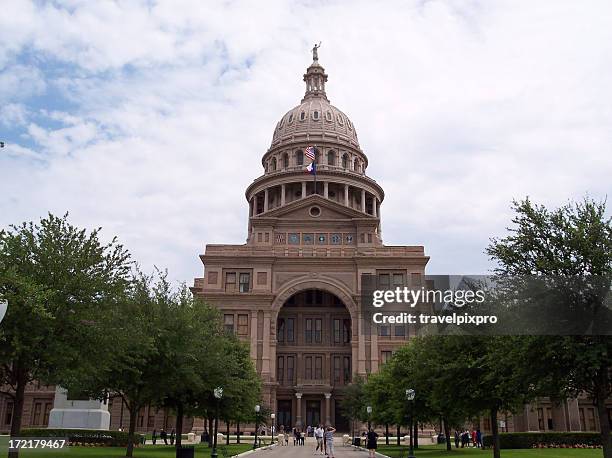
(293, 290)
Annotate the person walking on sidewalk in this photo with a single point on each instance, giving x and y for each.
(372, 442)
(329, 441)
(318, 433)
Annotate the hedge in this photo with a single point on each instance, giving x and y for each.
(545, 440)
(85, 436)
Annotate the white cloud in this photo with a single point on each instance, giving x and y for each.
(460, 106)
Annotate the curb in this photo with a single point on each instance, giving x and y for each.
(379, 455)
(248, 452)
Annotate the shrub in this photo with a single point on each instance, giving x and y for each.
(546, 440)
(85, 436)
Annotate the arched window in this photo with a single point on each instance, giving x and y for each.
(291, 118)
(345, 161)
(302, 116)
(315, 115)
(273, 164)
(356, 165)
(331, 157)
(299, 156)
(286, 160)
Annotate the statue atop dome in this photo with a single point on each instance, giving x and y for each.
(315, 52)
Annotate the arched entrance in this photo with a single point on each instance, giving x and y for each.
(314, 335)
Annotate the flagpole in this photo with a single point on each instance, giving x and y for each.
(315, 170)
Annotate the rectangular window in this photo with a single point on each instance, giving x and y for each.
(228, 323)
(308, 368)
(337, 369)
(582, 420)
(347, 370)
(48, 407)
(318, 367)
(400, 330)
(151, 418)
(549, 419)
(308, 331)
(346, 331)
(318, 335)
(383, 330)
(245, 282)
(290, 330)
(398, 280)
(384, 281)
(541, 419)
(290, 368)
(141, 418)
(280, 330)
(36, 416)
(336, 331)
(280, 368)
(386, 356)
(243, 325)
(8, 414)
(230, 282)
(591, 419)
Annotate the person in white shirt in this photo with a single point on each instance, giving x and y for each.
(318, 433)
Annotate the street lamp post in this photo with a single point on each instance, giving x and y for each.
(410, 394)
(218, 392)
(257, 409)
(273, 417)
(369, 410)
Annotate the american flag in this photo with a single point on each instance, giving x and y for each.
(310, 153)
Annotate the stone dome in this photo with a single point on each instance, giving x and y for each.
(315, 118)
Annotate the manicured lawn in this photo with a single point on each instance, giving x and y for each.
(150, 451)
(440, 452)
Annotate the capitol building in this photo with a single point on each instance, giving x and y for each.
(293, 290)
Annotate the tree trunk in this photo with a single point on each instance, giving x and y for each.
(237, 432)
(416, 434)
(387, 433)
(18, 410)
(447, 435)
(604, 422)
(210, 432)
(399, 431)
(227, 429)
(131, 430)
(179, 425)
(495, 434)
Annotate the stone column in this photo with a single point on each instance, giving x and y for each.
(266, 200)
(374, 204)
(346, 195)
(298, 410)
(361, 363)
(327, 409)
(363, 198)
(265, 357)
(326, 189)
(254, 337)
(283, 194)
(303, 189)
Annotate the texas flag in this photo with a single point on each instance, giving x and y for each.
(312, 168)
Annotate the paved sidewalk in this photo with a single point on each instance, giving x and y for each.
(308, 450)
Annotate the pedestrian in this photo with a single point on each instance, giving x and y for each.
(478, 438)
(474, 438)
(318, 433)
(172, 436)
(329, 441)
(371, 442)
(302, 438)
(154, 436)
(286, 436)
(456, 439)
(163, 435)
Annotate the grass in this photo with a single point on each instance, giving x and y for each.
(439, 451)
(149, 451)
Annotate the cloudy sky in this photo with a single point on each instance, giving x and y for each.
(150, 118)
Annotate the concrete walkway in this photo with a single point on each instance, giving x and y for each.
(308, 450)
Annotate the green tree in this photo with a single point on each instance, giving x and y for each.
(353, 404)
(573, 241)
(58, 279)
